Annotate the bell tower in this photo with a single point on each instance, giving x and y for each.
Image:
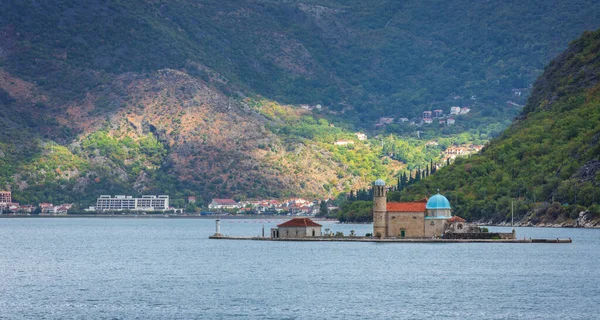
(379, 209)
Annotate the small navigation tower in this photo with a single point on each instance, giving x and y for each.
(217, 228)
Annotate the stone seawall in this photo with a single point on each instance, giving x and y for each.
(364, 239)
(480, 235)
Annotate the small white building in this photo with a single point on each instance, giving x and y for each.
(450, 121)
(224, 204)
(455, 110)
(464, 110)
(361, 136)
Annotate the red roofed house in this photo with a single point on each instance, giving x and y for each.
(296, 228)
(425, 218)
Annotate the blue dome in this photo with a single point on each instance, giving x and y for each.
(438, 202)
(379, 182)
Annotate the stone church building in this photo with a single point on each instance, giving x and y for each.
(426, 218)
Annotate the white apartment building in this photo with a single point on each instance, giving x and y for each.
(120, 203)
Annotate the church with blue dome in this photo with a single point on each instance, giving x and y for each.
(425, 218)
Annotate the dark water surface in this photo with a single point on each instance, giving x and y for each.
(169, 269)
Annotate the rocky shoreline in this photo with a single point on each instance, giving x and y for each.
(585, 219)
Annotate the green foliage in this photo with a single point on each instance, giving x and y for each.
(138, 154)
(551, 155)
(356, 211)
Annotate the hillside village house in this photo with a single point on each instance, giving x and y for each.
(426, 114)
(223, 204)
(464, 110)
(297, 228)
(191, 199)
(455, 110)
(450, 121)
(361, 136)
(343, 142)
(438, 113)
(427, 120)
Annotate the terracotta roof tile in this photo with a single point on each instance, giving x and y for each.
(456, 219)
(406, 206)
(299, 222)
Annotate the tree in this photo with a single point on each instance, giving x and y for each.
(323, 211)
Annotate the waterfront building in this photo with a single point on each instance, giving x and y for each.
(5, 197)
(425, 218)
(297, 228)
(121, 203)
(224, 204)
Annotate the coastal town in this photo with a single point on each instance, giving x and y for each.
(148, 204)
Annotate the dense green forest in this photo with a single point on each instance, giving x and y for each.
(547, 163)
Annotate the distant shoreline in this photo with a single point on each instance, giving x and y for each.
(153, 216)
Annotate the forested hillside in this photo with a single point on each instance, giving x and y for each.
(201, 97)
(547, 162)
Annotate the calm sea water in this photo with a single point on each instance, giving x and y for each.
(169, 269)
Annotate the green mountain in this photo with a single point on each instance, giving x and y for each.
(201, 97)
(547, 163)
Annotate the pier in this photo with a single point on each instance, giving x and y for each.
(369, 239)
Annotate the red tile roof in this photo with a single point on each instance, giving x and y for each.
(456, 219)
(299, 222)
(406, 206)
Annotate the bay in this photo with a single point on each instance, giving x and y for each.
(124, 268)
